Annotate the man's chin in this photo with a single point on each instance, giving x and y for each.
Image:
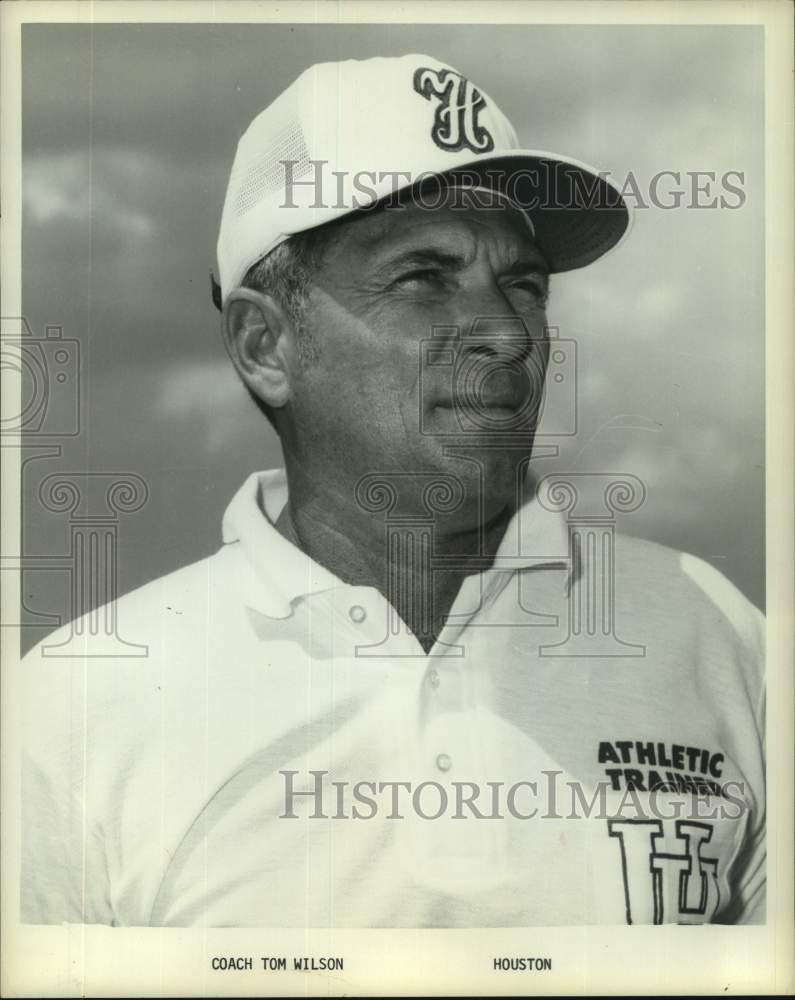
(489, 474)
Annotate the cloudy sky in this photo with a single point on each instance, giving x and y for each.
(128, 135)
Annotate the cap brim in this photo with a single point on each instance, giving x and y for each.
(577, 214)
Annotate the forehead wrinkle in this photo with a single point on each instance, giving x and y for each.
(413, 235)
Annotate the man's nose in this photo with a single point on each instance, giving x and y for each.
(489, 323)
(502, 335)
(498, 348)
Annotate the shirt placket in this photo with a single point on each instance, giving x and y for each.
(449, 765)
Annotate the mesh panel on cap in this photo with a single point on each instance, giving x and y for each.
(266, 172)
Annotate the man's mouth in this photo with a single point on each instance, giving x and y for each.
(492, 413)
(468, 405)
(510, 396)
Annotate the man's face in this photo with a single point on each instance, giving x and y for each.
(430, 333)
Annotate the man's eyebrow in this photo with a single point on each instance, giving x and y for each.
(428, 256)
(423, 257)
(527, 265)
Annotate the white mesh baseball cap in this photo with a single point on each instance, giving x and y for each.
(344, 136)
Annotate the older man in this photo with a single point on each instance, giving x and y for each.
(404, 692)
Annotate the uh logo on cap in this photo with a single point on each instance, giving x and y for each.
(455, 124)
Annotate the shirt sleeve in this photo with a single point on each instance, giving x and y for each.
(747, 623)
(750, 893)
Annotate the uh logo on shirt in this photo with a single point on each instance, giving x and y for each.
(669, 872)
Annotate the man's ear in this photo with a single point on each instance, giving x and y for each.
(258, 337)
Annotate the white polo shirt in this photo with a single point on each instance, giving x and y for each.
(527, 771)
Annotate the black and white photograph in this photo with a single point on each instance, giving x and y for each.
(392, 471)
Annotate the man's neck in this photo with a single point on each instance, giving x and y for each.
(356, 547)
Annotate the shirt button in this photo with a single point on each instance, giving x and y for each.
(444, 762)
(433, 678)
(357, 614)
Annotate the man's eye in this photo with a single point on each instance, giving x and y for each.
(536, 288)
(421, 276)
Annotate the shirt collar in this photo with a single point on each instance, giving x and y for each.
(277, 572)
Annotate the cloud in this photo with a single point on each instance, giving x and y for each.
(204, 401)
(103, 186)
